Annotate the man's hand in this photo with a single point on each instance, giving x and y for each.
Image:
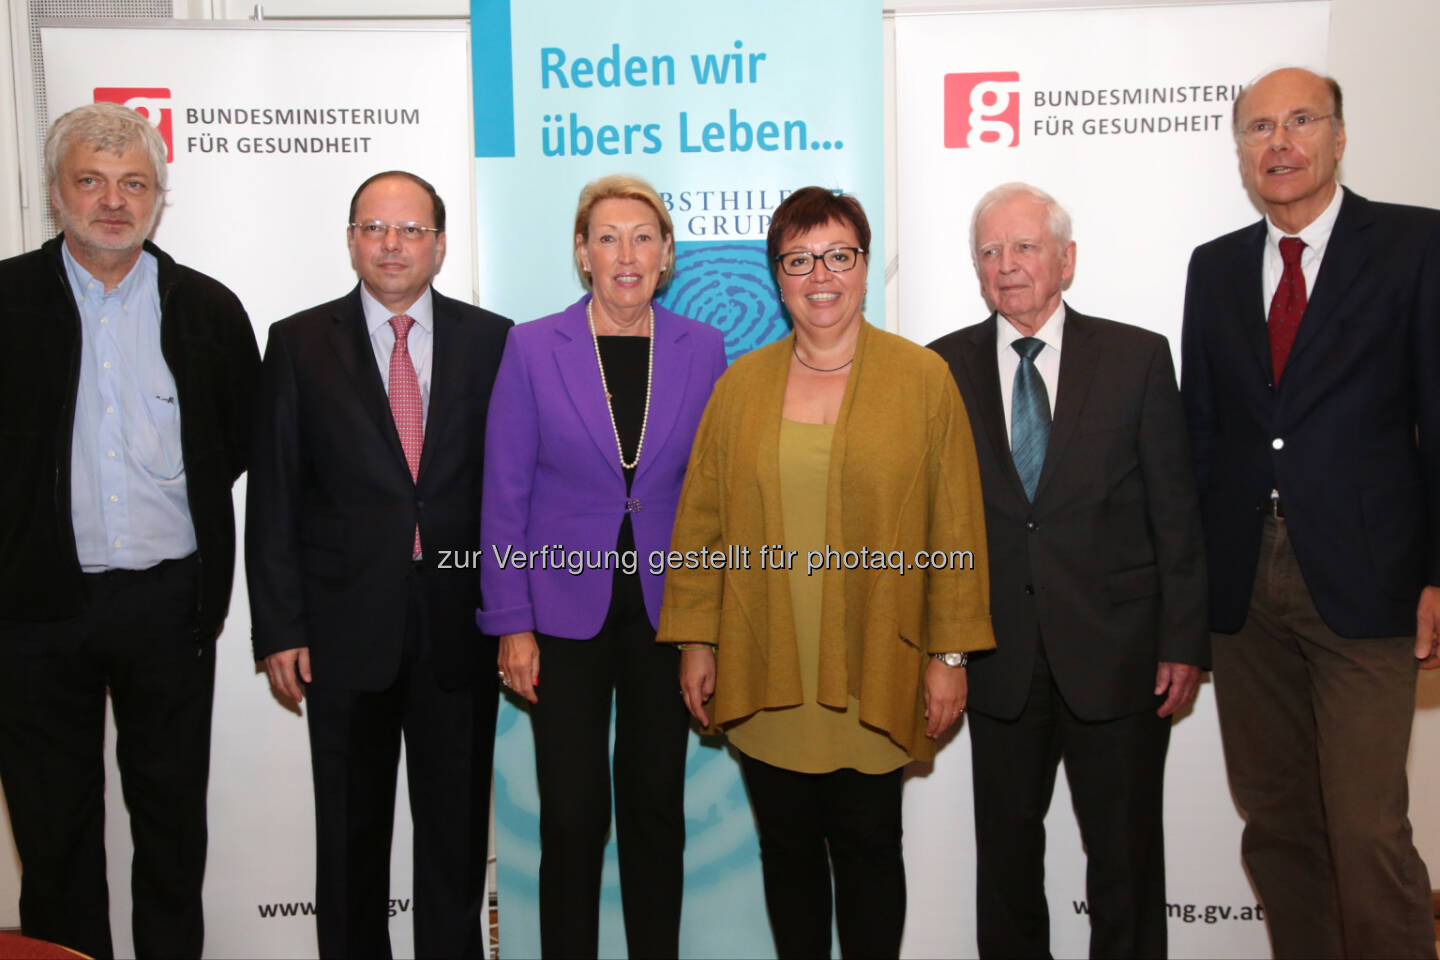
(697, 680)
(519, 663)
(282, 669)
(946, 689)
(1427, 629)
(1182, 680)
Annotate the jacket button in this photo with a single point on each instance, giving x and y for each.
(1029, 589)
(1031, 525)
(1277, 444)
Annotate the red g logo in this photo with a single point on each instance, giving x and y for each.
(152, 103)
(982, 109)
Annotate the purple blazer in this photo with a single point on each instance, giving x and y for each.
(552, 472)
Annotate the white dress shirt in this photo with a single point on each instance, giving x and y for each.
(1047, 361)
(1316, 237)
(420, 342)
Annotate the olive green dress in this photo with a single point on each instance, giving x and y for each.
(811, 738)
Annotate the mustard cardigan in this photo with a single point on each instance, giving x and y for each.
(903, 477)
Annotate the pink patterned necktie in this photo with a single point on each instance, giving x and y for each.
(405, 404)
(1288, 304)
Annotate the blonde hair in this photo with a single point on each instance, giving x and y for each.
(622, 186)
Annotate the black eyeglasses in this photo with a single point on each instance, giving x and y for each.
(799, 263)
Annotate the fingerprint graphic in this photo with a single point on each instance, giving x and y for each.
(722, 853)
(728, 286)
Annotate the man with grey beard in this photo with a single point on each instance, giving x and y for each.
(125, 383)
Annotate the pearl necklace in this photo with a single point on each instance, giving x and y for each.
(649, 382)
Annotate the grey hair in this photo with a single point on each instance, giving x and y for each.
(105, 126)
(1058, 219)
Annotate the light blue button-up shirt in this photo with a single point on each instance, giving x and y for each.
(128, 502)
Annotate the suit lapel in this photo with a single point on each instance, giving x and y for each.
(580, 372)
(351, 341)
(445, 372)
(1248, 304)
(1078, 360)
(674, 356)
(982, 365)
(1346, 255)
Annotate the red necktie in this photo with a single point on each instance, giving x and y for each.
(405, 404)
(1288, 306)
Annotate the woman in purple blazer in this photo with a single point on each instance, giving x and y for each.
(591, 420)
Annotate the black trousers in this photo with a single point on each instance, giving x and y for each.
(137, 636)
(1116, 770)
(355, 753)
(572, 760)
(856, 818)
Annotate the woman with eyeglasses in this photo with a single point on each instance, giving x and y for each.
(589, 430)
(841, 459)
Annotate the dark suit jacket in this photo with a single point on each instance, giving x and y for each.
(1350, 437)
(332, 509)
(1106, 568)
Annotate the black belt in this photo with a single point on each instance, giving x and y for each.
(148, 575)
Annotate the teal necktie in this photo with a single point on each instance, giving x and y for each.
(1029, 415)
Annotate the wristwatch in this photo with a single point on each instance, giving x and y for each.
(952, 659)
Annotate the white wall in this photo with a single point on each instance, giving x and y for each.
(10, 188)
(1380, 50)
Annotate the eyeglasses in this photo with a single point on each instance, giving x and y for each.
(800, 263)
(1300, 127)
(410, 232)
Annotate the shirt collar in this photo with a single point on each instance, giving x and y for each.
(81, 279)
(422, 311)
(1050, 333)
(1315, 234)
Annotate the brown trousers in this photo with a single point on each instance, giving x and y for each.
(1316, 728)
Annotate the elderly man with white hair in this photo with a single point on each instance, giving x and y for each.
(126, 384)
(1097, 584)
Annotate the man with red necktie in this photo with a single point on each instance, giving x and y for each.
(1315, 429)
(368, 452)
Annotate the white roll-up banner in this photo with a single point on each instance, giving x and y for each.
(1123, 114)
(271, 128)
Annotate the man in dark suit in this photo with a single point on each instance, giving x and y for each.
(363, 512)
(1316, 433)
(1096, 584)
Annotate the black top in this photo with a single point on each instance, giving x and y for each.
(627, 361)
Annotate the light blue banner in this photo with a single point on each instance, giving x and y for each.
(725, 109)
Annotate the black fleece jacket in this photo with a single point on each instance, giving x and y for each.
(209, 346)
